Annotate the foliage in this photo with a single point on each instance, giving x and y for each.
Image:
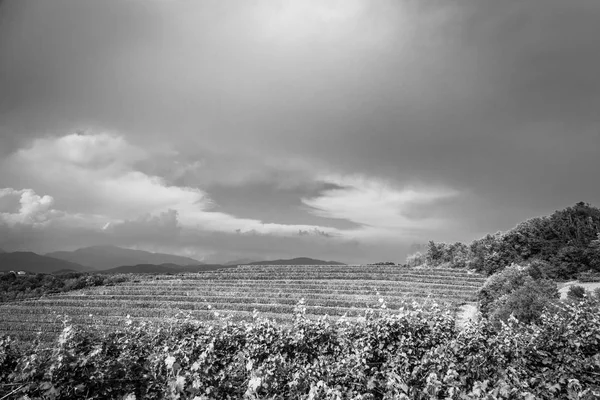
(443, 254)
(576, 292)
(416, 355)
(555, 358)
(589, 276)
(415, 260)
(517, 290)
(526, 303)
(566, 243)
(32, 286)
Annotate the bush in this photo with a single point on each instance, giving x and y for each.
(576, 292)
(416, 355)
(514, 291)
(501, 284)
(526, 303)
(30, 286)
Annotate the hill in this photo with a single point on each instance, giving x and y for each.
(163, 268)
(107, 257)
(35, 263)
(561, 245)
(274, 291)
(297, 261)
(241, 261)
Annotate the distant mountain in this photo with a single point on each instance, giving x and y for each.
(241, 261)
(35, 263)
(107, 257)
(163, 268)
(297, 261)
(2, 251)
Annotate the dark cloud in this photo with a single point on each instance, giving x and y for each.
(253, 103)
(273, 204)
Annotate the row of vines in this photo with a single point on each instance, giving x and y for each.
(207, 297)
(417, 354)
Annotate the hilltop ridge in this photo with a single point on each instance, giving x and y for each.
(296, 261)
(107, 257)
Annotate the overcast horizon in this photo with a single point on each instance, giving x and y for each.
(342, 130)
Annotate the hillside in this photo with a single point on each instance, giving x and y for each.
(297, 261)
(562, 245)
(274, 291)
(107, 257)
(35, 263)
(162, 268)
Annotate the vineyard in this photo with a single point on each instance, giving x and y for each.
(240, 294)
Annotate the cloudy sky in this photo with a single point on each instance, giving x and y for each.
(335, 129)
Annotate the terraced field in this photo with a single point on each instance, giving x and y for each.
(239, 293)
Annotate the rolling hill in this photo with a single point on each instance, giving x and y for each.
(163, 268)
(107, 257)
(297, 261)
(35, 263)
(240, 261)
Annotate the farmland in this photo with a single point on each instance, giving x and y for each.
(242, 293)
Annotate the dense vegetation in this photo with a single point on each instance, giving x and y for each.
(16, 287)
(414, 355)
(365, 332)
(564, 244)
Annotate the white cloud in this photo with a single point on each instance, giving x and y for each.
(95, 174)
(96, 183)
(89, 151)
(384, 210)
(31, 209)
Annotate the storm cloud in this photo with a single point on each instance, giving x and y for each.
(370, 124)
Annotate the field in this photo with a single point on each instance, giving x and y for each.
(242, 293)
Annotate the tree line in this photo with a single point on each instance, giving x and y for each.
(562, 245)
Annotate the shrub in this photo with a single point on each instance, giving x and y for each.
(514, 291)
(526, 303)
(415, 260)
(576, 292)
(501, 284)
(30, 286)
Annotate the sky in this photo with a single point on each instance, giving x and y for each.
(343, 130)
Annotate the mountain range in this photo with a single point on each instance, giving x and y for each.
(35, 263)
(113, 259)
(107, 257)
